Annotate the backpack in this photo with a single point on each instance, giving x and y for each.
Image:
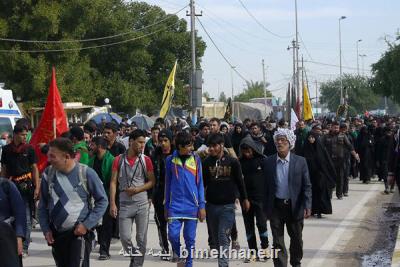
(142, 163)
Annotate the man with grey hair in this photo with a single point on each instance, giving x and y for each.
(287, 198)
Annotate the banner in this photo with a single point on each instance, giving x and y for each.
(293, 120)
(307, 108)
(168, 93)
(52, 123)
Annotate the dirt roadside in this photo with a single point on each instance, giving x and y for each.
(374, 239)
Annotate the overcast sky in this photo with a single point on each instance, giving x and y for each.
(245, 43)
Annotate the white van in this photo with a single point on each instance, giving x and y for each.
(9, 111)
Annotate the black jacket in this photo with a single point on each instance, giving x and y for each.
(253, 171)
(299, 186)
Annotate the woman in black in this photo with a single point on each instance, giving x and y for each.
(322, 174)
(365, 148)
(238, 134)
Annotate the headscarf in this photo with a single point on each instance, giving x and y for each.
(289, 134)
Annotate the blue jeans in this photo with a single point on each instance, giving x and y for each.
(27, 240)
(221, 219)
(189, 234)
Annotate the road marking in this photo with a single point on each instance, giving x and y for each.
(396, 252)
(323, 252)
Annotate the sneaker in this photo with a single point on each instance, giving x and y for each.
(165, 255)
(252, 258)
(104, 257)
(25, 253)
(345, 194)
(235, 245)
(339, 197)
(386, 192)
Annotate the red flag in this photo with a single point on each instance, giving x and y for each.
(297, 109)
(52, 123)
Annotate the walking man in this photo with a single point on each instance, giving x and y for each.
(110, 133)
(101, 162)
(222, 179)
(337, 144)
(184, 196)
(133, 172)
(253, 168)
(66, 213)
(159, 160)
(287, 197)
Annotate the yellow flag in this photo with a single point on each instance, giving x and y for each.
(307, 108)
(168, 93)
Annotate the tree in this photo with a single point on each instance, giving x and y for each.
(361, 97)
(253, 90)
(222, 97)
(131, 74)
(207, 95)
(386, 72)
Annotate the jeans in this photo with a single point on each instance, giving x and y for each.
(27, 240)
(189, 234)
(221, 221)
(130, 212)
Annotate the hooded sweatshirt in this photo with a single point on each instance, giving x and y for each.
(223, 179)
(253, 170)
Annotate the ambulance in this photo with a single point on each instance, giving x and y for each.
(9, 111)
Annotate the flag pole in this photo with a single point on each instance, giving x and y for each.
(55, 127)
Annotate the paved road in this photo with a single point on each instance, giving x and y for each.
(326, 241)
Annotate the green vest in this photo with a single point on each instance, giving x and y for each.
(82, 148)
(106, 169)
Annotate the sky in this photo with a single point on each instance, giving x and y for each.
(244, 42)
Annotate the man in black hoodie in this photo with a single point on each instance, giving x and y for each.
(222, 179)
(252, 162)
(162, 151)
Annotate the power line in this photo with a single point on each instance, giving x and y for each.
(220, 52)
(85, 48)
(211, 14)
(305, 48)
(92, 39)
(261, 25)
(331, 65)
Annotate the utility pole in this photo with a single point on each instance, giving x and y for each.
(302, 82)
(358, 64)
(340, 61)
(193, 48)
(297, 52)
(316, 97)
(265, 88)
(293, 47)
(232, 93)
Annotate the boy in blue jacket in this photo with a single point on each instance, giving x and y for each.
(184, 195)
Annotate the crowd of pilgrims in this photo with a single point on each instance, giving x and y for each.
(335, 150)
